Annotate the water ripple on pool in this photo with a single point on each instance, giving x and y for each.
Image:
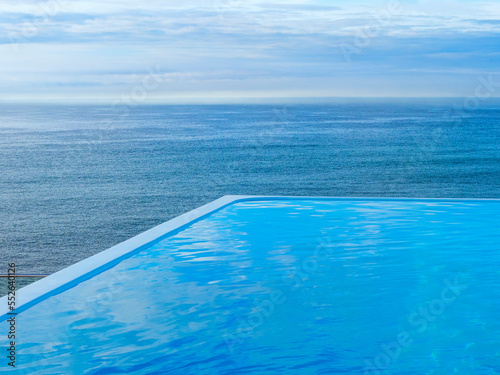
(295, 287)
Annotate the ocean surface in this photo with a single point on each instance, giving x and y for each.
(77, 179)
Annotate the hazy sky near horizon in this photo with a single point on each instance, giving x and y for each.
(247, 48)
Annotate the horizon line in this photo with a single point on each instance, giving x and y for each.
(228, 100)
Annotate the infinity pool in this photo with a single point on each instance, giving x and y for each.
(292, 286)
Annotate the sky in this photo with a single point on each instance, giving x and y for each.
(164, 50)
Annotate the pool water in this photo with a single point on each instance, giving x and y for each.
(292, 286)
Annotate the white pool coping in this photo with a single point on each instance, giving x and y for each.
(87, 268)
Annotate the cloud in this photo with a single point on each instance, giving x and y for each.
(248, 46)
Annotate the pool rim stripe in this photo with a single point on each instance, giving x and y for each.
(85, 269)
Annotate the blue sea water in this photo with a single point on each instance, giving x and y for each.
(77, 179)
(287, 287)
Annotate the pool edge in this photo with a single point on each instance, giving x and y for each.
(89, 267)
(83, 270)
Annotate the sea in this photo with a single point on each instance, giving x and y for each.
(76, 179)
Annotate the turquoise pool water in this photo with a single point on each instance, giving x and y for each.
(293, 286)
